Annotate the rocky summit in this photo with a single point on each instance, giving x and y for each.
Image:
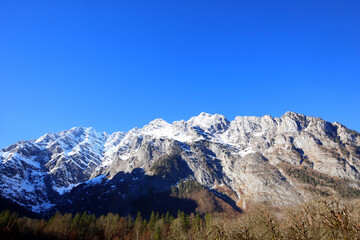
(207, 163)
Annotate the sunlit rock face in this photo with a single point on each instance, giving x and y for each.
(250, 157)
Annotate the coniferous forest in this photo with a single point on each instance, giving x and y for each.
(328, 218)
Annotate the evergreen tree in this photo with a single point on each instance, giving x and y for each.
(76, 221)
(157, 234)
(138, 225)
(157, 216)
(152, 221)
(167, 218)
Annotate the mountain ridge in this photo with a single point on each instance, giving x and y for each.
(246, 156)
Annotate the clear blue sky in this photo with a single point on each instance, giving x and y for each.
(115, 65)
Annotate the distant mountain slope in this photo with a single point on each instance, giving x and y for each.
(283, 161)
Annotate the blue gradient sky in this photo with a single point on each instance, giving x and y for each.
(115, 65)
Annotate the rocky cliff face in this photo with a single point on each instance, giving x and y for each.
(279, 160)
(34, 172)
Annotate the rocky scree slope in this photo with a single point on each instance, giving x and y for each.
(282, 161)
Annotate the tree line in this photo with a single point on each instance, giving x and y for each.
(328, 218)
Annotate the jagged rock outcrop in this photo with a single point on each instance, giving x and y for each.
(247, 159)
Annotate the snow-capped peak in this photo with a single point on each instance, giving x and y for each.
(157, 123)
(209, 122)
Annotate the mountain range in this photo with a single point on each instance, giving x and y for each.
(205, 164)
